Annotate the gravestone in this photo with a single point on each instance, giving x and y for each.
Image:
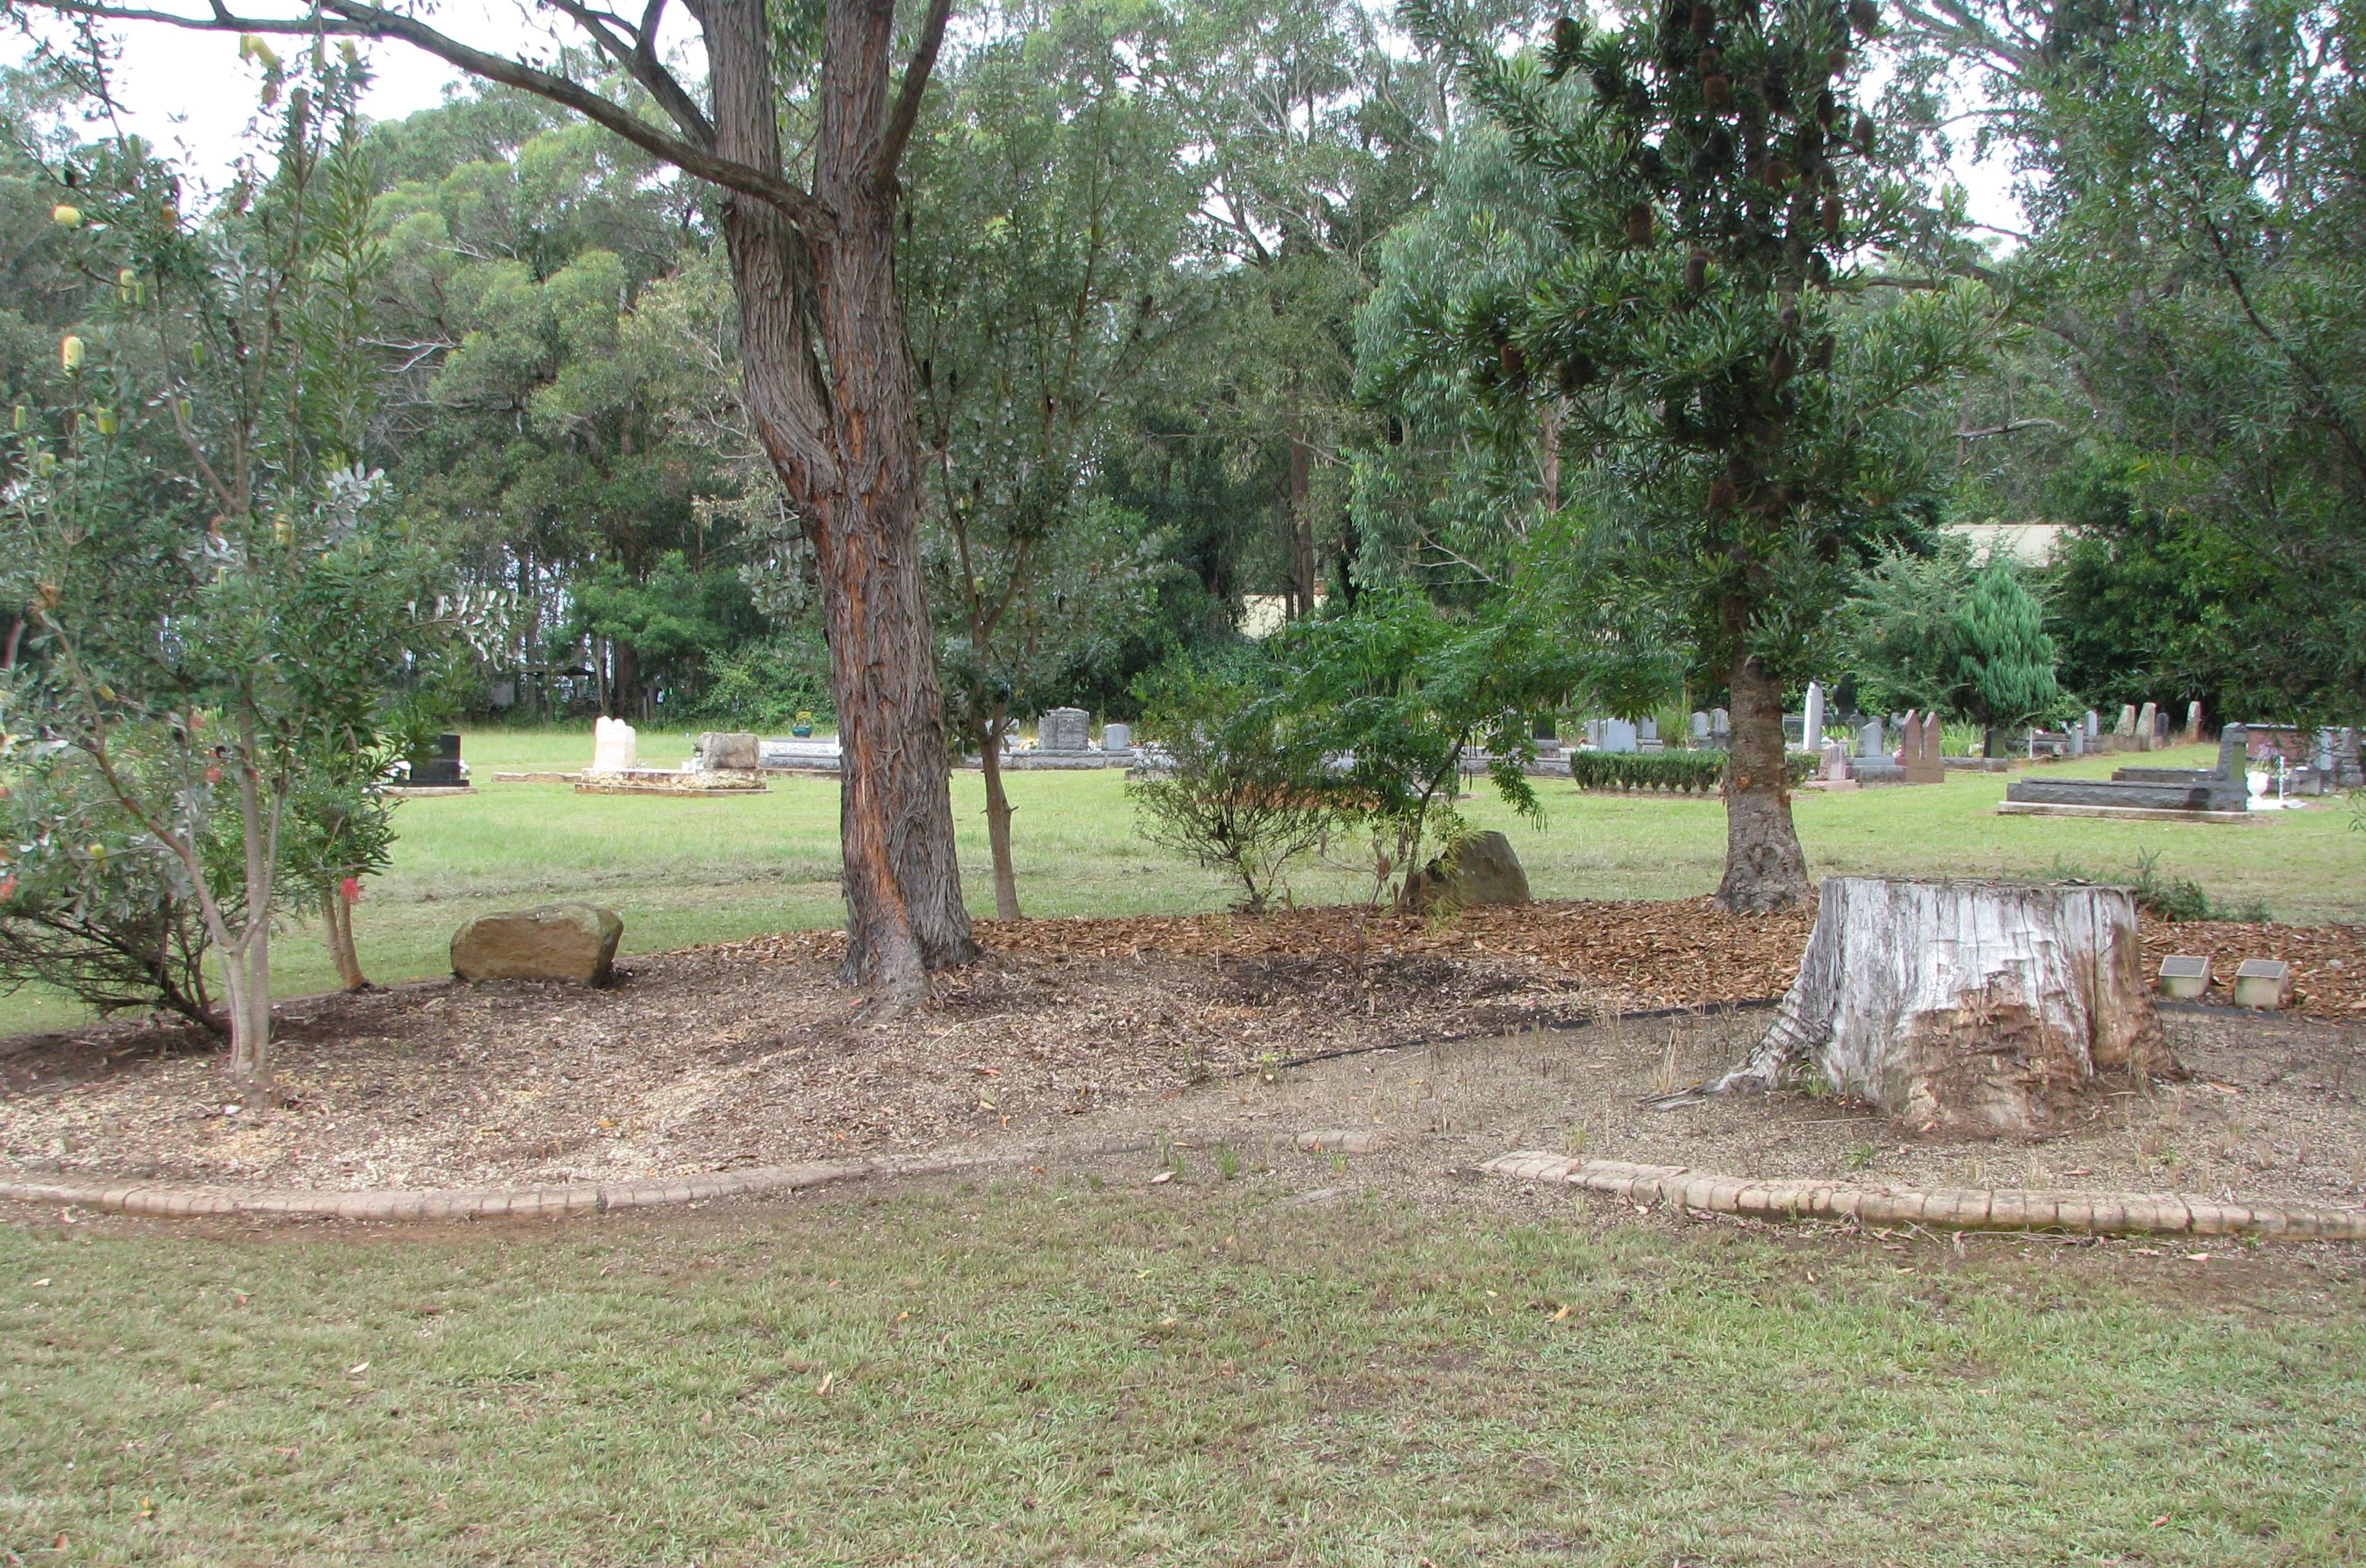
(1811, 736)
(1618, 735)
(2094, 723)
(2148, 726)
(615, 747)
(726, 750)
(1594, 733)
(2127, 725)
(2193, 721)
(1720, 725)
(1872, 740)
(440, 768)
(1925, 762)
(1062, 729)
(1117, 741)
(2078, 747)
(1647, 735)
(1700, 729)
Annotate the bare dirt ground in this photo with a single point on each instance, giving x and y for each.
(1499, 1030)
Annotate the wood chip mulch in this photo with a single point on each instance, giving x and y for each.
(1635, 953)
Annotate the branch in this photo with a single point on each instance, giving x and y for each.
(2008, 427)
(916, 82)
(640, 59)
(351, 19)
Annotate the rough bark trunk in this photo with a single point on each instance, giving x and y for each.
(1764, 868)
(843, 441)
(998, 821)
(1969, 1006)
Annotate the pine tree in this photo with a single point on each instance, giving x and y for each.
(2003, 658)
(1751, 420)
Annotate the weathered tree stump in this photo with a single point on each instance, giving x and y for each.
(1974, 1007)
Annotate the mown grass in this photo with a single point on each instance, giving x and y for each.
(688, 871)
(1041, 1372)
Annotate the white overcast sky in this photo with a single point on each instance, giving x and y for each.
(189, 91)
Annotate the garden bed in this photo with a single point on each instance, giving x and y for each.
(720, 1057)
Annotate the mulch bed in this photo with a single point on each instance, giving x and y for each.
(750, 1053)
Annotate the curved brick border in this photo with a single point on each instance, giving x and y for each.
(466, 1203)
(2097, 1213)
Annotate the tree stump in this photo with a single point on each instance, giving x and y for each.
(1973, 1006)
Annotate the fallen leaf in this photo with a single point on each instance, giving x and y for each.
(828, 1379)
(2160, 1521)
(38, 1283)
(1561, 1314)
(1161, 1176)
(2197, 1258)
(357, 1368)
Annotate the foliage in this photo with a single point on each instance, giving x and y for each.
(221, 611)
(2191, 171)
(1236, 787)
(675, 618)
(1397, 690)
(1937, 633)
(90, 904)
(1686, 773)
(2169, 897)
(765, 686)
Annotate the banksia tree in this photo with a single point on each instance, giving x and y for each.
(1746, 409)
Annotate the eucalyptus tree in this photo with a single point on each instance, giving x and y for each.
(1046, 280)
(810, 230)
(1739, 329)
(2190, 168)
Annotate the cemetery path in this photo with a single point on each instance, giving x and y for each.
(1458, 1039)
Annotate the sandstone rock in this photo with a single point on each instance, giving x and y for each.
(1484, 870)
(557, 941)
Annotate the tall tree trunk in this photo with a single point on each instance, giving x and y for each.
(627, 660)
(845, 445)
(1303, 571)
(997, 817)
(1765, 869)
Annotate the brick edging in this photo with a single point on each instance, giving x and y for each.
(465, 1204)
(2093, 1213)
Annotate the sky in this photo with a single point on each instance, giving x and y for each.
(189, 92)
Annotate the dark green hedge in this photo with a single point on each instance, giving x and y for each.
(1691, 773)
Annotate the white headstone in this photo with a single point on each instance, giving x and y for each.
(1719, 722)
(1811, 734)
(1647, 729)
(2094, 723)
(1117, 739)
(2127, 719)
(2078, 747)
(1872, 740)
(2193, 719)
(1618, 735)
(1700, 727)
(615, 747)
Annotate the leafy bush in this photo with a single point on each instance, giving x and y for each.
(90, 903)
(1687, 772)
(764, 686)
(1239, 792)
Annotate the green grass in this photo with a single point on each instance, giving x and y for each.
(709, 870)
(1189, 1374)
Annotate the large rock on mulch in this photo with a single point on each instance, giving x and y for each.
(558, 941)
(1482, 870)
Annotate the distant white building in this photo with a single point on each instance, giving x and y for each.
(2031, 544)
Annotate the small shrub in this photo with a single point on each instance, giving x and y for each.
(1237, 793)
(2165, 897)
(1686, 773)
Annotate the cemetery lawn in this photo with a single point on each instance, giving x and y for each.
(1065, 1369)
(693, 871)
